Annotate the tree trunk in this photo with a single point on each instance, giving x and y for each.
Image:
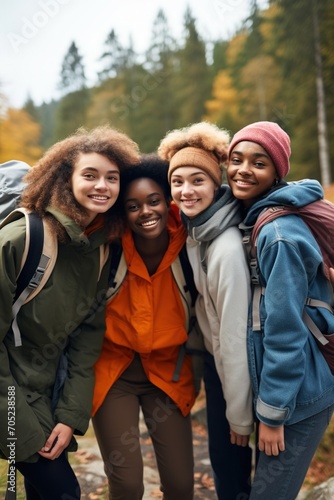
(321, 107)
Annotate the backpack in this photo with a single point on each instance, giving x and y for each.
(183, 275)
(319, 217)
(41, 245)
(39, 256)
(11, 185)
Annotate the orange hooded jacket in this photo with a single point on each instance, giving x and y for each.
(147, 317)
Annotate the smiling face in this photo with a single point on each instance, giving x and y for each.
(95, 183)
(250, 172)
(193, 190)
(146, 208)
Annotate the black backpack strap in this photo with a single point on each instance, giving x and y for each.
(116, 252)
(34, 253)
(117, 270)
(32, 271)
(195, 343)
(188, 274)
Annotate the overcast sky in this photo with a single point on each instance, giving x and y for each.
(35, 35)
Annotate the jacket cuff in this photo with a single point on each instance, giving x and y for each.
(242, 429)
(266, 412)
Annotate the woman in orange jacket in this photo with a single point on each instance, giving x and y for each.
(145, 330)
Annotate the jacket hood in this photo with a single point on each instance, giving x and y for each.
(75, 233)
(177, 235)
(225, 212)
(174, 224)
(297, 194)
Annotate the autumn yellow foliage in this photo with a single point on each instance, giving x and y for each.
(225, 98)
(329, 193)
(19, 137)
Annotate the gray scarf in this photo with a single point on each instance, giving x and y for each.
(225, 212)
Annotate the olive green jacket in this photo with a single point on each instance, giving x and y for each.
(68, 311)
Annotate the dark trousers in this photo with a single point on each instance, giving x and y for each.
(116, 425)
(231, 464)
(49, 479)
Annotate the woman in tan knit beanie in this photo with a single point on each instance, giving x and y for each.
(211, 215)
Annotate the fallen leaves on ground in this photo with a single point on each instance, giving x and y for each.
(84, 456)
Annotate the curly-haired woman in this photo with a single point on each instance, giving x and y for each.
(73, 188)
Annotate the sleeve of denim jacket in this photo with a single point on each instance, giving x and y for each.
(288, 262)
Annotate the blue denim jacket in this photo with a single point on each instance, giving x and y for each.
(290, 378)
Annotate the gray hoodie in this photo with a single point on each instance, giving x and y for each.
(224, 293)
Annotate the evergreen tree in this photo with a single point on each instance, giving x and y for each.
(31, 109)
(72, 76)
(248, 69)
(158, 107)
(72, 110)
(294, 44)
(219, 57)
(267, 70)
(47, 113)
(114, 57)
(194, 82)
(326, 28)
(71, 113)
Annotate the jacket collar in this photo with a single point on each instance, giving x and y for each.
(74, 232)
(296, 193)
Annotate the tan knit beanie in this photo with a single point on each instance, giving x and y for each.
(196, 157)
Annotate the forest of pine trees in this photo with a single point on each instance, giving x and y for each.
(279, 66)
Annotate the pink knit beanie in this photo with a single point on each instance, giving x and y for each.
(272, 138)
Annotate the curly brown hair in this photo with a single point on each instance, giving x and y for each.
(202, 135)
(49, 180)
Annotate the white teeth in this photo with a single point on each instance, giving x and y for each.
(99, 197)
(189, 202)
(149, 223)
(243, 183)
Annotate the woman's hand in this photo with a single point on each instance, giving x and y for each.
(271, 439)
(56, 443)
(239, 439)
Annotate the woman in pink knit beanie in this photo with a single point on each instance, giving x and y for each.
(292, 383)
